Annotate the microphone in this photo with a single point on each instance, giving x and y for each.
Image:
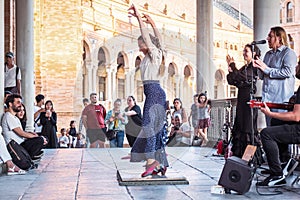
(259, 42)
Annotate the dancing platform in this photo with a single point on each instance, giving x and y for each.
(133, 178)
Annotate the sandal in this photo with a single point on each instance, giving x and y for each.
(11, 171)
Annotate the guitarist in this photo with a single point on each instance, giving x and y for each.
(273, 136)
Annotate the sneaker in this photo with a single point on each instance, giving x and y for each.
(39, 155)
(272, 181)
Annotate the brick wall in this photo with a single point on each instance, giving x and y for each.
(58, 56)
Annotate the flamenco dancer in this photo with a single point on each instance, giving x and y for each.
(149, 144)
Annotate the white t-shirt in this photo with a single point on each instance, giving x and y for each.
(10, 122)
(150, 65)
(37, 125)
(10, 76)
(63, 141)
(185, 127)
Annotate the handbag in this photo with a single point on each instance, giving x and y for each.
(111, 134)
(19, 155)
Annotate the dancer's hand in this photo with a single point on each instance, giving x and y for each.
(147, 19)
(133, 11)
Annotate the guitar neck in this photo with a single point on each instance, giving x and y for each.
(280, 106)
(284, 106)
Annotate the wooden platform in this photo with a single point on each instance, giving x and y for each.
(131, 178)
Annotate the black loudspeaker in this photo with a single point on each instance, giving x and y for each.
(237, 175)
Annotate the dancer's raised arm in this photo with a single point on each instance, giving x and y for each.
(144, 31)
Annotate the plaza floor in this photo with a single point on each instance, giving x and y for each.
(92, 174)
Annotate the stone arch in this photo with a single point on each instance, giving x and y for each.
(220, 87)
(103, 62)
(289, 11)
(171, 82)
(120, 75)
(138, 83)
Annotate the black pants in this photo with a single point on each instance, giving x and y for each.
(274, 136)
(33, 145)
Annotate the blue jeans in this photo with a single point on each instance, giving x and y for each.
(118, 141)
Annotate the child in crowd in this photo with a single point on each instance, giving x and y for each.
(204, 117)
(63, 139)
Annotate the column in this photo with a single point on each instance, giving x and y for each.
(1, 55)
(25, 55)
(265, 16)
(109, 86)
(90, 77)
(204, 49)
(94, 78)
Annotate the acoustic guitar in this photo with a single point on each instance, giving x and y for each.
(285, 106)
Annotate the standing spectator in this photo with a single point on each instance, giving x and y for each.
(49, 120)
(6, 158)
(12, 129)
(134, 125)
(38, 108)
(93, 117)
(22, 116)
(204, 117)
(12, 80)
(178, 109)
(116, 120)
(243, 80)
(149, 145)
(63, 139)
(72, 132)
(85, 102)
(194, 115)
(277, 70)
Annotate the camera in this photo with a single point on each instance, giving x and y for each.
(176, 128)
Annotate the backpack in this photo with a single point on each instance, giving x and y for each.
(19, 155)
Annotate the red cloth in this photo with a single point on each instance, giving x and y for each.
(95, 116)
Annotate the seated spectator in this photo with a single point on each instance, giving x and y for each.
(22, 116)
(79, 141)
(12, 129)
(6, 158)
(63, 139)
(180, 134)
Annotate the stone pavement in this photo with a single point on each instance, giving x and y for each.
(92, 174)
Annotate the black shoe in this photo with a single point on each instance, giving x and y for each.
(266, 171)
(272, 181)
(38, 156)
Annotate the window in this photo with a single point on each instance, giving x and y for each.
(121, 88)
(289, 12)
(102, 86)
(101, 57)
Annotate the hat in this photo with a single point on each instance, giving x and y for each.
(9, 55)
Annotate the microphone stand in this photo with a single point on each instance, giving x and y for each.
(252, 95)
